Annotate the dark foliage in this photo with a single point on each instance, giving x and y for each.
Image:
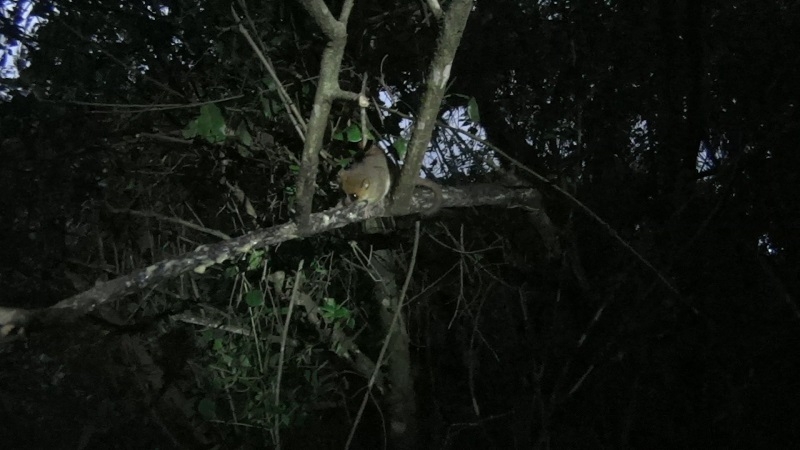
(676, 122)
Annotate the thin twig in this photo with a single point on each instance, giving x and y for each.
(611, 231)
(382, 354)
(364, 113)
(174, 220)
(294, 113)
(137, 107)
(284, 335)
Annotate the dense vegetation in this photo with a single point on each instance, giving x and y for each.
(131, 133)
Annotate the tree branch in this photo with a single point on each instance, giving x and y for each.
(455, 19)
(327, 90)
(206, 256)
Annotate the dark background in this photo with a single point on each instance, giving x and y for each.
(675, 121)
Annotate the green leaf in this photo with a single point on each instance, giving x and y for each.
(472, 110)
(401, 145)
(254, 298)
(349, 134)
(353, 133)
(342, 163)
(255, 259)
(244, 135)
(319, 268)
(210, 125)
(190, 132)
(245, 361)
(211, 118)
(244, 151)
(332, 311)
(270, 84)
(266, 108)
